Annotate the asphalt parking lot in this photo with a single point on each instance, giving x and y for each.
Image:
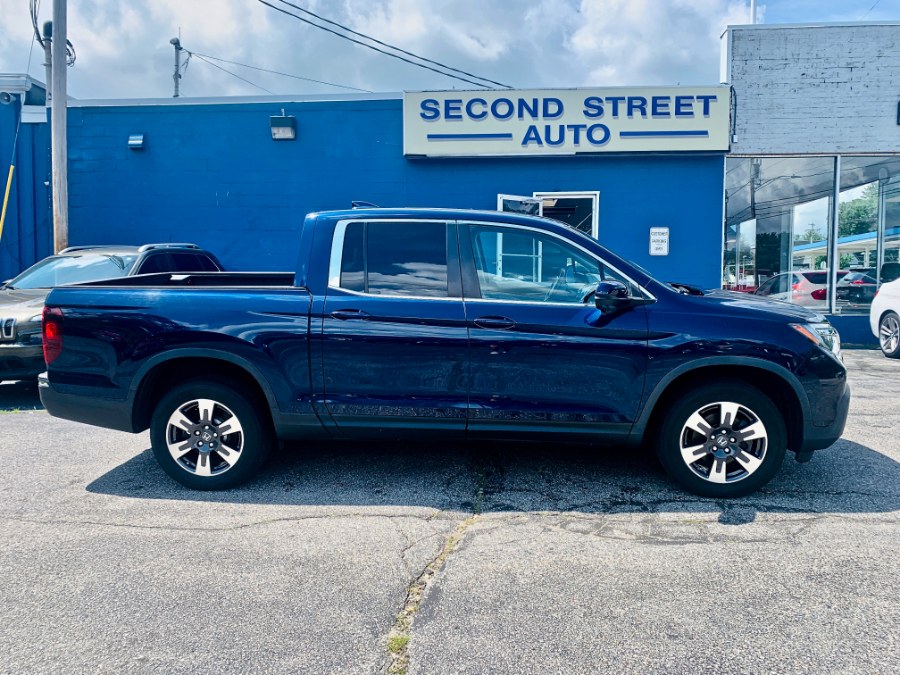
(476, 559)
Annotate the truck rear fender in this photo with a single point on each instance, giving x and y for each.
(173, 367)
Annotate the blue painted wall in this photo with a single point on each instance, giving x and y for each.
(212, 174)
(27, 233)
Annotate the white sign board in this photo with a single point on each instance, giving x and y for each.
(566, 121)
(659, 241)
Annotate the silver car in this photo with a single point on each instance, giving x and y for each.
(22, 298)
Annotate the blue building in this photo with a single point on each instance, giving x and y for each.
(27, 234)
(210, 171)
(642, 170)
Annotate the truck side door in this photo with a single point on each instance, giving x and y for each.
(543, 357)
(394, 337)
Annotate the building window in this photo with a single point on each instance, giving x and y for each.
(868, 241)
(779, 229)
(777, 224)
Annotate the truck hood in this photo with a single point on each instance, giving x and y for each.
(22, 304)
(750, 305)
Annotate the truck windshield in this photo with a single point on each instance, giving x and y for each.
(73, 269)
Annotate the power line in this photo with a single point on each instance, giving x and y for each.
(224, 70)
(373, 48)
(389, 46)
(276, 72)
(869, 10)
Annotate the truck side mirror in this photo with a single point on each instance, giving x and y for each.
(611, 297)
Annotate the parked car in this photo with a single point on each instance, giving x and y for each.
(418, 322)
(806, 288)
(856, 288)
(22, 298)
(884, 318)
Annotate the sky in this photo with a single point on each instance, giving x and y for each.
(123, 48)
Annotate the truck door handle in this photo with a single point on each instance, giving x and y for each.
(494, 322)
(344, 314)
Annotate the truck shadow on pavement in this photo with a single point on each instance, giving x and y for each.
(482, 478)
(22, 395)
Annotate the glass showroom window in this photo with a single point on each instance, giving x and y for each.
(778, 214)
(868, 238)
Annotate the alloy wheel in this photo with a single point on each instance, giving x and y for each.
(723, 442)
(204, 437)
(889, 334)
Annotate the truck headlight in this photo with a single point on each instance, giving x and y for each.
(823, 334)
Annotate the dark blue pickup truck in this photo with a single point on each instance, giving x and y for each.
(416, 322)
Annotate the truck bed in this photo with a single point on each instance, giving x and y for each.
(207, 279)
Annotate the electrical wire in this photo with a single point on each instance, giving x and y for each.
(389, 46)
(276, 72)
(869, 10)
(244, 79)
(34, 8)
(373, 48)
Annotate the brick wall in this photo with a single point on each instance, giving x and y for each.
(815, 89)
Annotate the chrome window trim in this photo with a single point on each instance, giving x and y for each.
(590, 254)
(337, 252)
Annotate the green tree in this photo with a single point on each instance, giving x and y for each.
(810, 235)
(859, 215)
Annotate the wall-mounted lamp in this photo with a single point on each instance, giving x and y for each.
(284, 127)
(136, 141)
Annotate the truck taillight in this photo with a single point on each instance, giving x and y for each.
(52, 333)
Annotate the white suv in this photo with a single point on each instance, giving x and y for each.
(884, 318)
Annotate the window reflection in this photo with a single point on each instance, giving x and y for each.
(778, 219)
(778, 229)
(868, 230)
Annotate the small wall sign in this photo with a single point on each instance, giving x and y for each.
(659, 241)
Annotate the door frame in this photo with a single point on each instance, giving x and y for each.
(501, 197)
(593, 195)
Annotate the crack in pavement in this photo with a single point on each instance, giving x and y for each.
(232, 528)
(399, 636)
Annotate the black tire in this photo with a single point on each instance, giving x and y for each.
(744, 464)
(246, 449)
(890, 346)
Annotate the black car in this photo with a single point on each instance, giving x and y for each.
(22, 298)
(857, 287)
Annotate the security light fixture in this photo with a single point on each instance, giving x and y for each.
(136, 141)
(284, 127)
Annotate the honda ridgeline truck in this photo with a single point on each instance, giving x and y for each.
(451, 323)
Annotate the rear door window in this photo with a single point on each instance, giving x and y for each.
(395, 258)
(192, 262)
(156, 264)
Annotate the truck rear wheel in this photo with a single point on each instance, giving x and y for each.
(722, 440)
(207, 436)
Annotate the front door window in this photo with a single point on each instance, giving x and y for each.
(526, 266)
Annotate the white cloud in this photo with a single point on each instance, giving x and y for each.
(124, 51)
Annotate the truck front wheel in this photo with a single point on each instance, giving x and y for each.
(207, 436)
(721, 440)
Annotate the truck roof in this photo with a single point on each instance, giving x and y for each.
(449, 214)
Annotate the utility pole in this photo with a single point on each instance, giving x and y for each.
(60, 180)
(48, 66)
(175, 42)
(753, 11)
